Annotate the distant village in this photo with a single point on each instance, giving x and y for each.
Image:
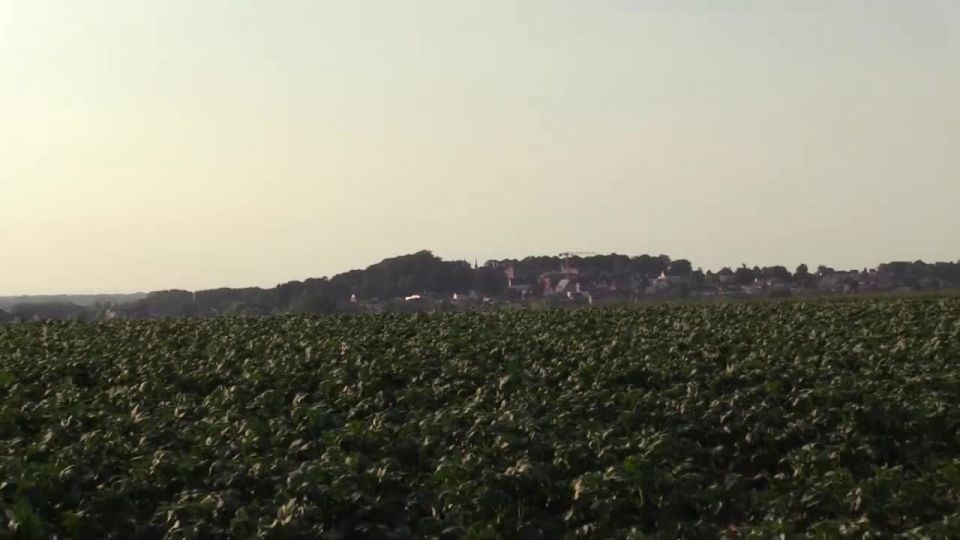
(569, 284)
(424, 282)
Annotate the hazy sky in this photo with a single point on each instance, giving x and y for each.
(194, 144)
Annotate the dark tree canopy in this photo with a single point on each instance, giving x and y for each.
(776, 273)
(680, 267)
(54, 311)
(746, 276)
(825, 270)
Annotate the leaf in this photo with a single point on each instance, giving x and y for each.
(25, 522)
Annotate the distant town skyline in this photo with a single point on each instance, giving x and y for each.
(178, 144)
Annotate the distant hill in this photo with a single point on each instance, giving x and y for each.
(431, 282)
(394, 277)
(84, 300)
(386, 282)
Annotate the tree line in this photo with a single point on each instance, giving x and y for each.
(422, 272)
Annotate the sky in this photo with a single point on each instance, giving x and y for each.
(148, 145)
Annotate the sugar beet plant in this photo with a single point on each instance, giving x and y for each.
(739, 420)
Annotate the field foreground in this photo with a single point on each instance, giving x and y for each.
(830, 419)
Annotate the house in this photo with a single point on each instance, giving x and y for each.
(550, 281)
(663, 282)
(559, 282)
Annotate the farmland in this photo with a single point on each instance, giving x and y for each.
(736, 420)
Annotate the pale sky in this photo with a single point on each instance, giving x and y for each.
(205, 143)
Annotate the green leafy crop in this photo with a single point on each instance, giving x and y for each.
(825, 420)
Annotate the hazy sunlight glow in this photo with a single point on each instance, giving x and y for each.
(159, 144)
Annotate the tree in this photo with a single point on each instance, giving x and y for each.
(920, 269)
(802, 275)
(406, 274)
(895, 269)
(745, 276)
(697, 279)
(53, 311)
(776, 272)
(311, 302)
(489, 281)
(650, 266)
(170, 303)
(680, 267)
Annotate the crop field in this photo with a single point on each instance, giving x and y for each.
(823, 419)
